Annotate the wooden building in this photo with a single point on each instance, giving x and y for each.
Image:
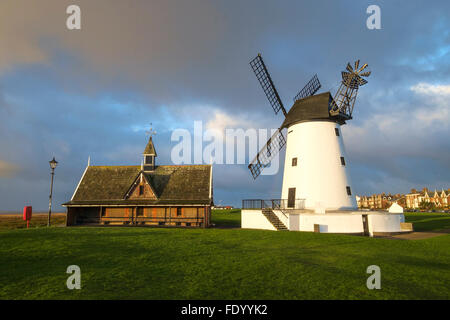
(172, 195)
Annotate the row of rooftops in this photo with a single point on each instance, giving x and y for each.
(424, 193)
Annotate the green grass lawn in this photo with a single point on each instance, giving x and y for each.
(38, 220)
(163, 263)
(428, 221)
(226, 218)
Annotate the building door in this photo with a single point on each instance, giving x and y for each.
(291, 198)
(365, 224)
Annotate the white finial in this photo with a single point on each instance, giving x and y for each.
(89, 161)
(142, 164)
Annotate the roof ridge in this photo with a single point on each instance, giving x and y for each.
(138, 166)
(112, 166)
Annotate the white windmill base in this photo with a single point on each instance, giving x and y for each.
(339, 221)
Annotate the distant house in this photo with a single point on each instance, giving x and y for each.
(171, 195)
(438, 199)
(380, 201)
(412, 200)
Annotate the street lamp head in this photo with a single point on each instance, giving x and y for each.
(53, 163)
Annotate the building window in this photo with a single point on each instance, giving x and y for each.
(336, 130)
(343, 161)
(294, 162)
(349, 191)
(178, 212)
(188, 224)
(148, 159)
(178, 223)
(141, 190)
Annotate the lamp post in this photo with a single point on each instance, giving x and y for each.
(53, 164)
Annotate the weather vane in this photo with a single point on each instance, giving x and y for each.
(150, 132)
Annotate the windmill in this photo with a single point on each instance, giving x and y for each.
(315, 166)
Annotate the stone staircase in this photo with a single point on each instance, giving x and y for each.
(273, 219)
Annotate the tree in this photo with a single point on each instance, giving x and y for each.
(425, 205)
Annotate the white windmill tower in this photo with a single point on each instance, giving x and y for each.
(315, 166)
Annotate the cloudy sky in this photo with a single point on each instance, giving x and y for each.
(93, 92)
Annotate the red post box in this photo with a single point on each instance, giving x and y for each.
(27, 212)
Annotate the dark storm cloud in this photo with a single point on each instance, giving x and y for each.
(92, 92)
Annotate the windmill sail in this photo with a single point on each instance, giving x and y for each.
(267, 153)
(263, 76)
(309, 89)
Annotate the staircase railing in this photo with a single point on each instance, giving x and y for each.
(278, 207)
(282, 205)
(277, 204)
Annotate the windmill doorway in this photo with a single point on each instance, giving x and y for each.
(291, 198)
(365, 221)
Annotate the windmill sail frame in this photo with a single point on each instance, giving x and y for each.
(309, 89)
(344, 101)
(272, 147)
(263, 76)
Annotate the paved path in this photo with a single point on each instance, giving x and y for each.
(421, 235)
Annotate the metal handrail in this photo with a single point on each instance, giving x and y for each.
(278, 204)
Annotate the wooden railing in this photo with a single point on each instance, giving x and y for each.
(141, 220)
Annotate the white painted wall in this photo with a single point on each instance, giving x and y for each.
(385, 222)
(332, 223)
(319, 176)
(294, 222)
(395, 208)
(350, 222)
(254, 219)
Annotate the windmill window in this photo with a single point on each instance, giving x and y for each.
(141, 190)
(349, 191)
(294, 162)
(336, 130)
(343, 161)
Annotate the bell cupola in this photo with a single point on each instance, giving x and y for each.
(149, 155)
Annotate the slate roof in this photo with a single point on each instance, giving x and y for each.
(150, 148)
(108, 185)
(316, 107)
